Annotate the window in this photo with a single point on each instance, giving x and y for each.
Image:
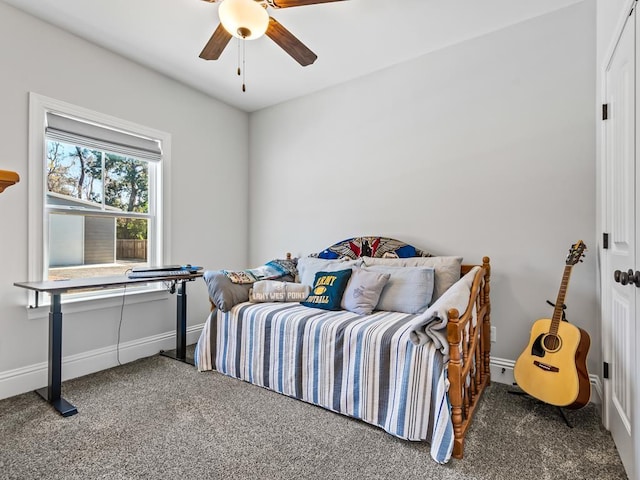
(96, 202)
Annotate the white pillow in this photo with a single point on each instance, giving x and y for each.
(447, 269)
(309, 266)
(409, 289)
(363, 291)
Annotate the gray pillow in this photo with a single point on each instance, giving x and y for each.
(447, 269)
(409, 289)
(309, 266)
(363, 291)
(224, 293)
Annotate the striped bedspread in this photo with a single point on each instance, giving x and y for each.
(362, 366)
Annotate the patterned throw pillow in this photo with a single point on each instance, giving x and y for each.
(327, 290)
(269, 271)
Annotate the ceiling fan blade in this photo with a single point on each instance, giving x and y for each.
(289, 43)
(216, 44)
(298, 3)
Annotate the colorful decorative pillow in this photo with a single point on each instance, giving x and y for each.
(327, 290)
(309, 266)
(289, 265)
(372, 246)
(241, 277)
(363, 291)
(269, 271)
(408, 290)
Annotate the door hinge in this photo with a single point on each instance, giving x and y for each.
(605, 111)
(605, 240)
(605, 370)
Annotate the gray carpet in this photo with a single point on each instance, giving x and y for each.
(157, 418)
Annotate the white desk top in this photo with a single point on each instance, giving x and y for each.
(57, 287)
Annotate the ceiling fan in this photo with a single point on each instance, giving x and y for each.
(248, 19)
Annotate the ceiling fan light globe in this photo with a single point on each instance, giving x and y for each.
(245, 19)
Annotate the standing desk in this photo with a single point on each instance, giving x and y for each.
(52, 392)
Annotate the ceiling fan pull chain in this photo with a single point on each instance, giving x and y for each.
(244, 69)
(238, 41)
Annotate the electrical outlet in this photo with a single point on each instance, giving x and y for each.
(493, 334)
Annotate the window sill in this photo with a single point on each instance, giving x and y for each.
(88, 302)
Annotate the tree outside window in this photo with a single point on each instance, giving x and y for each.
(98, 204)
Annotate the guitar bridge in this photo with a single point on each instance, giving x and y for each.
(546, 367)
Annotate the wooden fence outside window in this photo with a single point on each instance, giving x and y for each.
(131, 249)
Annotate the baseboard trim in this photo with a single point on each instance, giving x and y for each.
(25, 379)
(502, 372)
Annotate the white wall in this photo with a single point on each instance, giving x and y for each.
(609, 19)
(209, 167)
(483, 148)
(506, 120)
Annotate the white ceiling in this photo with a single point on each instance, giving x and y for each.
(351, 38)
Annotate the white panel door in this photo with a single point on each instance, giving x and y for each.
(619, 301)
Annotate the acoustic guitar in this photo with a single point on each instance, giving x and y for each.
(553, 366)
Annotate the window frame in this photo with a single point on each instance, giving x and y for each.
(38, 212)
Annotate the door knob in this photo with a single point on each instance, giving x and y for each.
(625, 278)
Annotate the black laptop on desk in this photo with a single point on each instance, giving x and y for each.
(163, 271)
(163, 268)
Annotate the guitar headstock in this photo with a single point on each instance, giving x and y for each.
(576, 253)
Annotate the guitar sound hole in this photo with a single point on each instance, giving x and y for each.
(551, 343)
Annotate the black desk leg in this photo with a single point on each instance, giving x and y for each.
(181, 322)
(52, 392)
(181, 325)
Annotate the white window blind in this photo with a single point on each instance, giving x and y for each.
(72, 131)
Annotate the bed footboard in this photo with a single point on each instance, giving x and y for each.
(470, 348)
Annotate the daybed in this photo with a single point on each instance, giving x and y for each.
(416, 366)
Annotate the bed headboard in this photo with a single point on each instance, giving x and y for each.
(379, 247)
(371, 246)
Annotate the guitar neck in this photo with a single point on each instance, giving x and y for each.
(557, 311)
